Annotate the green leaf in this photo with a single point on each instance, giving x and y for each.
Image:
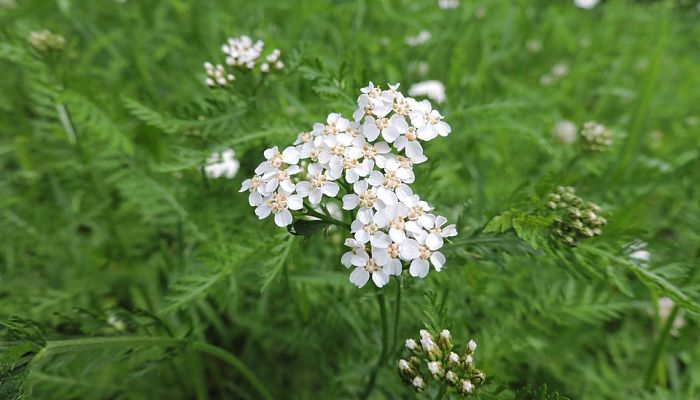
(500, 223)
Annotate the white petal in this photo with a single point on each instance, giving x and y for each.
(304, 188)
(376, 178)
(438, 260)
(433, 241)
(362, 236)
(350, 201)
(283, 218)
(290, 155)
(359, 277)
(408, 250)
(360, 259)
(346, 259)
(387, 196)
(419, 268)
(397, 235)
(262, 211)
(315, 196)
(330, 189)
(287, 186)
(380, 278)
(393, 267)
(295, 202)
(381, 240)
(255, 199)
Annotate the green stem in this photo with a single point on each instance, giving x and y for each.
(397, 312)
(441, 393)
(382, 356)
(326, 218)
(661, 342)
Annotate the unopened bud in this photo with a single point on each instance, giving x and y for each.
(418, 383)
(465, 386)
(451, 377)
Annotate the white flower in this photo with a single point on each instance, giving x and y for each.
(390, 128)
(420, 38)
(466, 386)
(448, 4)
(428, 344)
(275, 159)
(565, 131)
(434, 90)
(319, 184)
(257, 190)
(559, 70)
(641, 255)
(222, 164)
(356, 256)
(437, 232)
(417, 209)
(279, 203)
(471, 345)
(394, 216)
(242, 52)
(417, 382)
(364, 196)
(411, 344)
(419, 266)
(217, 75)
(361, 274)
(434, 367)
(367, 229)
(388, 258)
(428, 121)
(409, 143)
(280, 178)
(586, 4)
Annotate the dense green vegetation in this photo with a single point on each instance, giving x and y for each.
(127, 273)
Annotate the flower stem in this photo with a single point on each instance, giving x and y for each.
(326, 218)
(441, 393)
(661, 342)
(382, 356)
(397, 312)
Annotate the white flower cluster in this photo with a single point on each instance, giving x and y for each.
(241, 52)
(222, 164)
(596, 137)
(370, 158)
(46, 40)
(434, 90)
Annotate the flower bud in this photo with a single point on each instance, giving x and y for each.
(468, 361)
(453, 359)
(471, 347)
(451, 377)
(411, 344)
(478, 377)
(435, 368)
(465, 386)
(418, 383)
(445, 340)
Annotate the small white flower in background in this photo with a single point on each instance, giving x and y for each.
(8, 4)
(366, 165)
(420, 68)
(434, 90)
(597, 137)
(665, 306)
(411, 344)
(641, 255)
(560, 70)
(534, 45)
(586, 4)
(222, 164)
(217, 75)
(418, 382)
(565, 131)
(242, 53)
(420, 38)
(45, 40)
(448, 4)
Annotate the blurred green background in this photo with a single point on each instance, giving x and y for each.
(110, 228)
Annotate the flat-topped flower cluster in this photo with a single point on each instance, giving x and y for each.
(242, 53)
(366, 161)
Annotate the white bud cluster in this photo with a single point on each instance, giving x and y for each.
(217, 75)
(596, 136)
(574, 218)
(222, 164)
(434, 361)
(371, 159)
(45, 40)
(243, 53)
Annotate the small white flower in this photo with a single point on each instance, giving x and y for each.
(364, 196)
(280, 178)
(279, 203)
(367, 229)
(411, 344)
(448, 4)
(417, 382)
(565, 131)
(586, 4)
(276, 160)
(428, 121)
(388, 258)
(319, 184)
(222, 164)
(466, 386)
(434, 367)
(560, 70)
(437, 232)
(471, 345)
(356, 256)
(434, 90)
(641, 255)
(419, 266)
(420, 38)
(361, 274)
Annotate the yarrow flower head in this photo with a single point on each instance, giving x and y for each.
(244, 54)
(46, 41)
(434, 90)
(438, 363)
(222, 164)
(597, 137)
(366, 164)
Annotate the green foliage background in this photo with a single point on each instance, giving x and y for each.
(125, 273)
